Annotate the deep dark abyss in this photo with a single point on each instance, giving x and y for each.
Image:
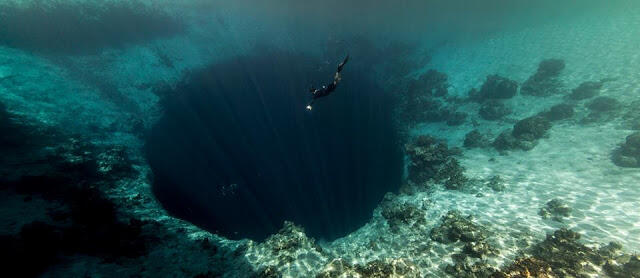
(237, 153)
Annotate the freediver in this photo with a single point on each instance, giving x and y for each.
(328, 89)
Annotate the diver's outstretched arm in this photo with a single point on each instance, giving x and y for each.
(343, 63)
(309, 105)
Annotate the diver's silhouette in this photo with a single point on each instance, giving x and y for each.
(327, 90)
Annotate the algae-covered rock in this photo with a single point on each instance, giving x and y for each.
(566, 256)
(456, 118)
(531, 128)
(479, 249)
(432, 83)
(559, 112)
(586, 90)
(495, 87)
(288, 239)
(545, 81)
(496, 183)
(455, 227)
(467, 270)
(628, 154)
(603, 104)
(525, 267)
(402, 214)
(550, 68)
(381, 268)
(475, 139)
(555, 209)
(493, 110)
(525, 134)
(452, 173)
(506, 141)
(433, 160)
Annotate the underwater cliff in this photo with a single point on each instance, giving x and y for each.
(161, 139)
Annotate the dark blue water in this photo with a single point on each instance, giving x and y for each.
(237, 153)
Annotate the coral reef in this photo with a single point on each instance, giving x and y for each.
(586, 90)
(628, 154)
(493, 110)
(392, 268)
(545, 81)
(555, 209)
(475, 139)
(495, 87)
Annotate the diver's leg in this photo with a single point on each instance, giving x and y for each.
(343, 63)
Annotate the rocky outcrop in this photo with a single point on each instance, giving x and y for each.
(545, 81)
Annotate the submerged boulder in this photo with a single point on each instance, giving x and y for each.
(603, 104)
(545, 81)
(586, 90)
(495, 87)
(559, 112)
(531, 128)
(475, 139)
(467, 270)
(524, 135)
(628, 154)
(493, 110)
(555, 209)
(454, 227)
(400, 214)
(525, 267)
(456, 118)
(432, 83)
(431, 160)
(549, 68)
(506, 141)
(377, 268)
(496, 183)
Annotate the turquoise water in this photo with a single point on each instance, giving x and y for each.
(162, 139)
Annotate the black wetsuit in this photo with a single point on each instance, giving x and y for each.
(327, 90)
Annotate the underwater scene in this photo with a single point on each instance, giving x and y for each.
(333, 138)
